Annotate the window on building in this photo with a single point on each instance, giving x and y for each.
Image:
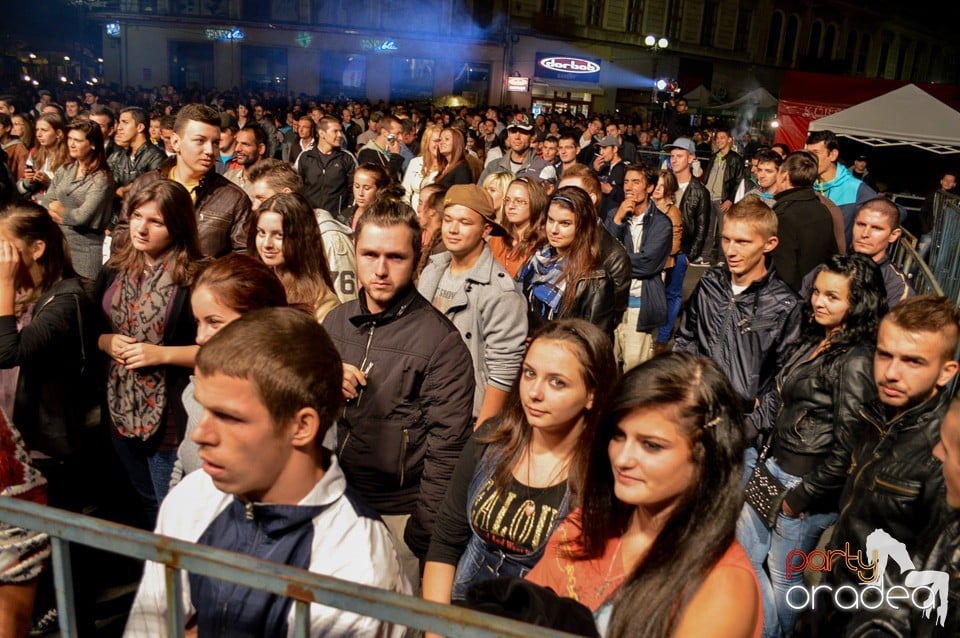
(708, 26)
(862, 53)
(915, 67)
(212, 8)
(411, 79)
(830, 42)
(635, 15)
(472, 79)
(790, 40)
(674, 19)
(905, 44)
(256, 10)
(741, 38)
(884, 56)
(595, 13)
(343, 12)
(343, 75)
(816, 39)
(264, 68)
(285, 10)
(776, 34)
(850, 53)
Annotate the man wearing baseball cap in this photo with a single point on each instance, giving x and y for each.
(520, 158)
(610, 169)
(694, 207)
(475, 292)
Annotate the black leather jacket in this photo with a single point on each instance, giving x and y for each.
(819, 416)
(732, 174)
(695, 213)
(749, 335)
(147, 158)
(895, 482)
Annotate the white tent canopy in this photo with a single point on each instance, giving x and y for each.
(907, 116)
(759, 97)
(699, 97)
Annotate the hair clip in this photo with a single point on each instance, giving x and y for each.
(712, 422)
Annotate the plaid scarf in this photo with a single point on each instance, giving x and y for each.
(540, 278)
(138, 398)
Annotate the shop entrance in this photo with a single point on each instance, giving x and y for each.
(547, 100)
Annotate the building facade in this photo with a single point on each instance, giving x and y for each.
(567, 54)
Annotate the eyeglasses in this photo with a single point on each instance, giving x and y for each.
(512, 201)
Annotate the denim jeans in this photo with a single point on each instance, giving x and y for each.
(771, 546)
(149, 471)
(674, 290)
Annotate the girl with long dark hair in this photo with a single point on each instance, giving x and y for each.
(652, 549)
(80, 197)
(520, 472)
(148, 333)
(226, 290)
(524, 209)
(285, 236)
(43, 352)
(820, 391)
(565, 278)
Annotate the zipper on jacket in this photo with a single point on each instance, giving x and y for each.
(363, 362)
(859, 473)
(404, 443)
(897, 489)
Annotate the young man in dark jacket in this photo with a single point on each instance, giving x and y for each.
(647, 236)
(895, 483)
(741, 314)
(407, 380)
(805, 225)
(327, 170)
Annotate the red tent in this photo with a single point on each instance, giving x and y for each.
(805, 97)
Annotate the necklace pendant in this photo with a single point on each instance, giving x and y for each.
(529, 509)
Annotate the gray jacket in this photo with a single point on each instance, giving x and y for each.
(491, 316)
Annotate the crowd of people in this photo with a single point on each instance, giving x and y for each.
(446, 353)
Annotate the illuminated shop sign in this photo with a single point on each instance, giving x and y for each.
(223, 33)
(379, 45)
(517, 84)
(566, 67)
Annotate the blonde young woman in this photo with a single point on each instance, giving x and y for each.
(422, 169)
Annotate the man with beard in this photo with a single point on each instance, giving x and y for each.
(251, 146)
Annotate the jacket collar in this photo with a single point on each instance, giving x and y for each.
(480, 273)
(401, 302)
(925, 416)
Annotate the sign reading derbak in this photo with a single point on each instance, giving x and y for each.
(567, 67)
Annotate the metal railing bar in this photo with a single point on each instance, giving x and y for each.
(301, 617)
(63, 583)
(274, 578)
(174, 590)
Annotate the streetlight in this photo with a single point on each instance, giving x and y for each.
(655, 45)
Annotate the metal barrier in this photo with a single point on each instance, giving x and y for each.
(302, 586)
(944, 257)
(906, 258)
